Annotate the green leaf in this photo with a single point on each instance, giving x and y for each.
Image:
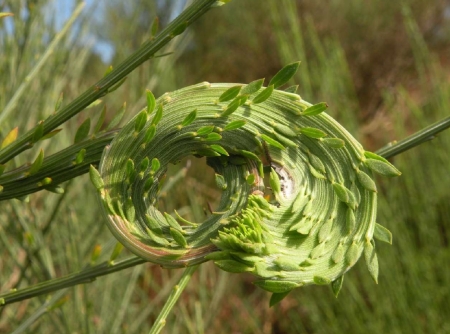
(152, 224)
(151, 101)
(277, 297)
(252, 87)
(284, 75)
(276, 286)
(158, 115)
(80, 156)
(336, 285)
(233, 266)
(232, 107)
(250, 179)
(264, 95)
(292, 89)
(315, 109)
(213, 137)
(381, 233)
(284, 130)
(178, 237)
(95, 177)
(155, 165)
(82, 131)
(339, 253)
(350, 220)
(234, 125)
(230, 93)
(51, 134)
(219, 149)
(10, 137)
(94, 104)
(108, 70)
(325, 230)
(173, 222)
(312, 132)
(55, 189)
(140, 121)
(38, 132)
(341, 192)
(204, 130)
(37, 164)
(352, 254)
(179, 29)
(334, 142)
(371, 260)
(155, 26)
(317, 163)
(144, 164)
(371, 155)
(366, 181)
(249, 155)
(116, 252)
(383, 168)
(274, 180)
(272, 142)
(190, 118)
(150, 134)
(321, 280)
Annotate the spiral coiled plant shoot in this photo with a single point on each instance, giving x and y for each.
(298, 198)
(310, 224)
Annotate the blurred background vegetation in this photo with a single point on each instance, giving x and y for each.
(383, 68)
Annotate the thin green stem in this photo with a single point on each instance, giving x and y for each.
(84, 276)
(415, 139)
(60, 167)
(174, 295)
(35, 71)
(102, 87)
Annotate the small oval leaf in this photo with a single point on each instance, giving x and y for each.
(284, 75)
(230, 94)
(315, 109)
(264, 95)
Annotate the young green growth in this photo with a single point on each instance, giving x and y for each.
(315, 109)
(230, 93)
(264, 95)
(151, 101)
(252, 87)
(284, 75)
(189, 118)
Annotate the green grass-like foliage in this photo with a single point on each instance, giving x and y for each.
(312, 227)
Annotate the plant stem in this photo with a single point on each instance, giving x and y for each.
(174, 295)
(84, 276)
(60, 167)
(101, 88)
(415, 139)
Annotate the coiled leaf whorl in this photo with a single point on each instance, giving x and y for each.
(310, 224)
